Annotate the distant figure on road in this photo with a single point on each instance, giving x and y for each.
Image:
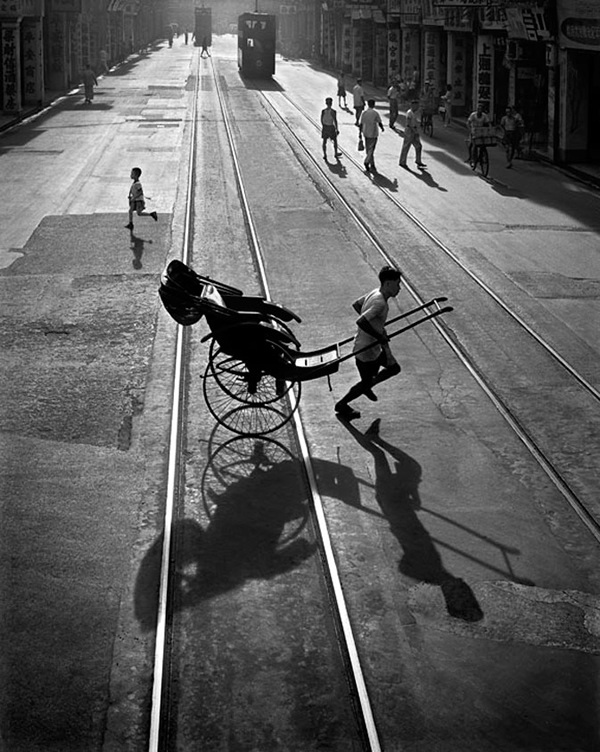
(373, 311)
(341, 90)
(370, 122)
(204, 47)
(185, 36)
(414, 83)
(392, 95)
(402, 90)
(329, 128)
(512, 127)
(359, 99)
(89, 81)
(411, 136)
(137, 202)
(103, 55)
(170, 36)
(447, 104)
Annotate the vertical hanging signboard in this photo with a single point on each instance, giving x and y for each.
(484, 80)
(11, 54)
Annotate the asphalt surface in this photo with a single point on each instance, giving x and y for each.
(443, 494)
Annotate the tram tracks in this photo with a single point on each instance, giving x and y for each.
(316, 503)
(173, 561)
(590, 517)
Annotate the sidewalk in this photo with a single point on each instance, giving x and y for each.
(51, 98)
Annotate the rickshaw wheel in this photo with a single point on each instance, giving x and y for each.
(246, 414)
(235, 379)
(243, 463)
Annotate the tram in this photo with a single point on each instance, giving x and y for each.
(256, 44)
(203, 27)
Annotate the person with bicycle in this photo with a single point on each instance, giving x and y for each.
(476, 119)
(512, 125)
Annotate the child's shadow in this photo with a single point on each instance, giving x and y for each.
(137, 246)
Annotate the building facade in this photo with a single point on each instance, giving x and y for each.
(541, 56)
(46, 44)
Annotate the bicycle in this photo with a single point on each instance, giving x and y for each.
(480, 156)
(427, 123)
(481, 138)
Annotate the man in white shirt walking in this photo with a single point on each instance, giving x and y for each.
(329, 127)
(411, 136)
(370, 123)
(358, 95)
(392, 95)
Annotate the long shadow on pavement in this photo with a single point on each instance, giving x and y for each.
(397, 494)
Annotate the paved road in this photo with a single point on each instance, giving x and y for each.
(83, 428)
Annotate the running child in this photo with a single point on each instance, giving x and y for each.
(137, 202)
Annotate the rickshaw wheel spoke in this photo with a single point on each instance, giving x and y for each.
(236, 380)
(245, 414)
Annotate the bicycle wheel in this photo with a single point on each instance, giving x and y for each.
(484, 161)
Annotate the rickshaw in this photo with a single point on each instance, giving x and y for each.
(253, 380)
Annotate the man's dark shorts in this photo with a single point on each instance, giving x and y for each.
(368, 368)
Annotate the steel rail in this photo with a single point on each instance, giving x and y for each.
(323, 530)
(591, 524)
(162, 621)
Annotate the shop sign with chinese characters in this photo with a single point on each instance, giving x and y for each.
(465, 3)
(11, 8)
(393, 50)
(432, 57)
(411, 11)
(64, 6)
(527, 23)
(458, 20)
(32, 69)
(484, 83)
(579, 24)
(10, 70)
(346, 46)
(458, 69)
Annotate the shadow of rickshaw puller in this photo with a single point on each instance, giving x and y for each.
(398, 497)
